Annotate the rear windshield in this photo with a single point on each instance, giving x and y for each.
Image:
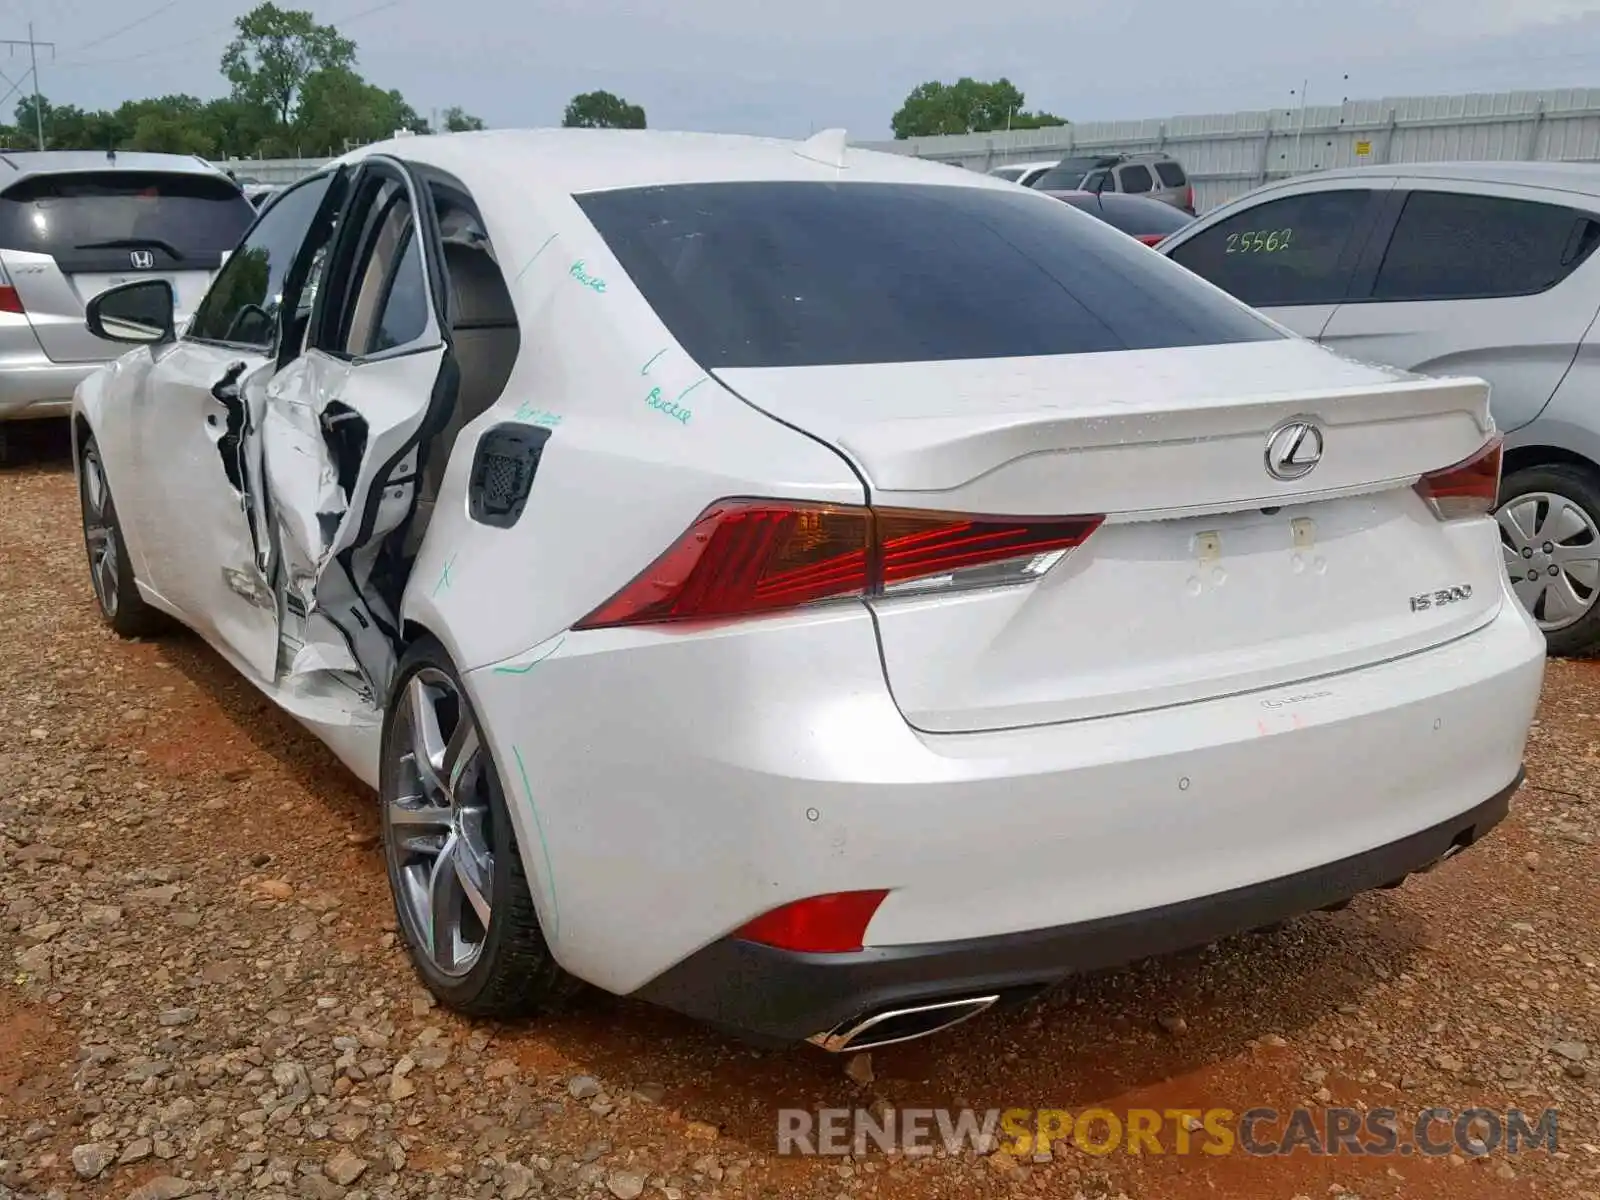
(800, 274)
(1171, 174)
(1132, 214)
(1067, 175)
(95, 221)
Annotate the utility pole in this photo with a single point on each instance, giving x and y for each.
(33, 66)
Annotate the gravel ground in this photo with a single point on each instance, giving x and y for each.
(203, 994)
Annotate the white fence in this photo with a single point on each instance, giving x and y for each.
(1227, 154)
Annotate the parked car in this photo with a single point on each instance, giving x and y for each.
(1150, 221)
(75, 223)
(1485, 268)
(1157, 176)
(693, 521)
(1026, 174)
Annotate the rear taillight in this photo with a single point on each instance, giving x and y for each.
(1468, 489)
(1188, 198)
(743, 557)
(1152, 239)
(9, 300)
(833, 924)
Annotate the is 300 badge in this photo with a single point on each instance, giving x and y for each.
(1423, 601)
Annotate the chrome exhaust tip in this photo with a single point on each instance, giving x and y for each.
(891, 1025)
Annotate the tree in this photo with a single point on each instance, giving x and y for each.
(338, 108)
(276, 51)
(459, 120)
(602, 110)
(166, 124)
(965, 106)
(294, 89)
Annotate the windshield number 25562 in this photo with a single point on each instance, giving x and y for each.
(1427, 600)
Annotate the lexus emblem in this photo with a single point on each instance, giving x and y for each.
(142, 260)
(1294, 449)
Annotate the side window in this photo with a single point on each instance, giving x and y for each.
(1098, 181)
(1451, 246)
(1135, 179)
(1289, 251)
(1171, 175)
(242, 305)
(390, 303)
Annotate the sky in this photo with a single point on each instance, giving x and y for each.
(787, 69)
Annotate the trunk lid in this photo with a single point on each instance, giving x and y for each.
(1209, 576)
(67, 236)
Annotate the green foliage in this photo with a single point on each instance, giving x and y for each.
(965, 106)
(294, 91)
(458, 120)
(276, 51)
(602, 110)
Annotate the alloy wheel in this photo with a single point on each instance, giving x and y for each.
(1552, 554)
(100, 533)
(438, 827)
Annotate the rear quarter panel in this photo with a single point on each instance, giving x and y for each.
(643, 440)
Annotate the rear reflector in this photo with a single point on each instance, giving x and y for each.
(9, 300)
(833, 924)
(743, 557)
(1468, 489)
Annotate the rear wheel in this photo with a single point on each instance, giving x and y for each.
(110, 573)
(460, 894)
(1549, 519)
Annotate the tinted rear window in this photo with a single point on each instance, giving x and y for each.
(1453, 246)
(185, 222)
(1171, 174)
(802, 274)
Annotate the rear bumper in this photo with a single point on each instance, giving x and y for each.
(39, 388)
(667, 787)
(784, 995)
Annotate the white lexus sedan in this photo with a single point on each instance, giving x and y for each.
(817, 591)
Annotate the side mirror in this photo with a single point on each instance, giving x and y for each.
(142, 313)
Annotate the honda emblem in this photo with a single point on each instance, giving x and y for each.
(142, 260)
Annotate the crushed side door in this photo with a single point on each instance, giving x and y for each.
(345, 428)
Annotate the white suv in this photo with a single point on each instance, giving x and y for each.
(1482, 269)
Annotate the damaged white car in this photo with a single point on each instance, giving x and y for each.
(819, 591)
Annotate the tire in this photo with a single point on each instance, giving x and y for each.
(501, 967)
(1557, 506)
(111, 578)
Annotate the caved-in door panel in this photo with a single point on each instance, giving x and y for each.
(193, 456)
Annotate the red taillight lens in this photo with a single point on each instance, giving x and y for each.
(748, 556)
(1151, 239)
(743, 557)
(1468, 489)
(1188, 198)
(9, 300)
(834, 924)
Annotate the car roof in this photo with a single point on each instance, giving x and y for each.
(21, 164)
(1561, 176)
(591, 160)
